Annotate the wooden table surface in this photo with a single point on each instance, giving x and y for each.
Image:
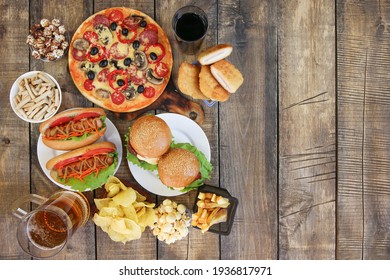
(303, 145)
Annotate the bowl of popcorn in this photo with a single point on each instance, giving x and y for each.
(48, 40)
(35, 96)
(172, 221)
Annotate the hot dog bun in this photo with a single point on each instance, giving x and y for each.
(78, 152)
(214, 54)
(71, 144)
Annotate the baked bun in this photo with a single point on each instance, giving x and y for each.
(178, 168)
(61, 139)
(150, 136)
(188, 80)
(229, 77)
(79, 152)
(214, 54)
(210, 86)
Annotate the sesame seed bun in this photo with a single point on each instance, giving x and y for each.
(150, 136)
(178, 168)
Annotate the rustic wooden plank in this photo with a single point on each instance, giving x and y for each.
(307, 148)
(144, 248)
(196, 245)
(363, 121)
(81, 246)
(248, 128)
(14, 132)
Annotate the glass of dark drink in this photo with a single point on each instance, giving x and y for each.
(190, 26)
(44, 232)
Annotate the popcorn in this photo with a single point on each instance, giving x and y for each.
(47, 40)
(172, 222)
(44, 22)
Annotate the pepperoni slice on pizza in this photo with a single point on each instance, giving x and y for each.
(120, 59)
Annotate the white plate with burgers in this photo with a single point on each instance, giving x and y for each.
(46, 153)
(185, 133)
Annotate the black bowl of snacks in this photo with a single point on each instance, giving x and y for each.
(48, 40)
(214, 210)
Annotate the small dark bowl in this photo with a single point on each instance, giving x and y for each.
(223, 228)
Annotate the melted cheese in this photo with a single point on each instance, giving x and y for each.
(148, 160)
(104, 34)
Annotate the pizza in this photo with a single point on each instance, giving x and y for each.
(120, 59)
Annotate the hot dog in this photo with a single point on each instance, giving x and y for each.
(74, 128)
(85, 168)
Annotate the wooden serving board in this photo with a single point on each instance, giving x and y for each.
(170, 101)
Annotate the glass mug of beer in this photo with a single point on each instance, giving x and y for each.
(190, 25)
(44, 232)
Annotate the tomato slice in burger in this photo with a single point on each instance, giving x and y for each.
(61, 121)
(86, 115)
(117, 98)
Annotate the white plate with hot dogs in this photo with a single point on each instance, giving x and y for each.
(45, 153)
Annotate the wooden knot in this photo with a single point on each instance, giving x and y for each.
(6, 140)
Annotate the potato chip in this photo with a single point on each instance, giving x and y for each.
(130, 213)
(113, 186)
(147, 218)
(125, 197)
(103, 222)
(124, 214)
(100, 203)
(111, 212)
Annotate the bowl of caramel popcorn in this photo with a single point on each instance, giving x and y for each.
(48, 40)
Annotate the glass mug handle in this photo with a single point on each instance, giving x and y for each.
(34, 198)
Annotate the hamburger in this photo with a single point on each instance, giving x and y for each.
(184, 167)
(147, 140)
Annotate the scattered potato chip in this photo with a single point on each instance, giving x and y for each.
(124, 214)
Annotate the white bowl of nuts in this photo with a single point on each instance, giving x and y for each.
(48, 40)
(35, 96)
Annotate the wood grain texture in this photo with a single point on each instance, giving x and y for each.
(196, 245)
(81, 246)
(14, 145)
(144, 248)
(307, 148)
(363, 121)
(248, 129)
